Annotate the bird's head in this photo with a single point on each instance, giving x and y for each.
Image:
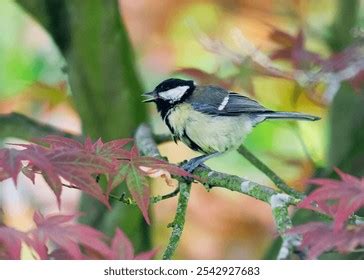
(170, 91)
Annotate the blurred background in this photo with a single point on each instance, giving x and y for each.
(42, 76)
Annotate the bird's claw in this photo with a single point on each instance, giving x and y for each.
(191, 165)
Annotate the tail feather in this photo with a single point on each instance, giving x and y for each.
(289, 115)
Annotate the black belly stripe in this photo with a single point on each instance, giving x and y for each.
(166, 121)
(188, 141)
(191, 143)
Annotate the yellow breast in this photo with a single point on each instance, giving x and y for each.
(210, 133)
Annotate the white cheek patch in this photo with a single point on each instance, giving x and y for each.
(174, 94)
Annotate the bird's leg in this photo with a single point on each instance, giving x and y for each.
(193, 163)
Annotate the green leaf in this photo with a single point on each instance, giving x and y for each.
(118, 177)
(346, 147)
(138, 187)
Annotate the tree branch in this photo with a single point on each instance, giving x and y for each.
(268, 172)
(147, 146)
(279, 204)
(20, 126)
(210, 178)
(179, 220)
(144, 140)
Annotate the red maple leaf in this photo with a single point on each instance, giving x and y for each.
(55, 142)
(122, 249)
(78, 169)
(319, 237)
(337, 198)
(131, 170)
(3, 175)
(10, 243)
(347, 64)
(78, 163)
(68, 160)
(10, 164)
(293, 49)
(113, 149)
(67, 241)
(110, 150)
(67, 236)
(281, 37)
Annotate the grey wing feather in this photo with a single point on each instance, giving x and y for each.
(239, 104)
(209, 100)
(217, 101)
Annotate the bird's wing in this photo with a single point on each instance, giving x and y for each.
(227, 104)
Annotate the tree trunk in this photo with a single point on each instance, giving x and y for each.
(105, 87)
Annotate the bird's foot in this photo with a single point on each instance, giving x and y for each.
(191, 165)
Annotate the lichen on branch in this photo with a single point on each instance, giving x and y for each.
(278, 201)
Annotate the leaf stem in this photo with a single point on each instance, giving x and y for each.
(179, 220)
(156, 199)
(153, 199)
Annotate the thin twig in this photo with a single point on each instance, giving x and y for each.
(71, 186)
(179, 220)
(123, 198)
(279, 204)
(129, 201)
(156, 199)
(268, 172)
(296, 131)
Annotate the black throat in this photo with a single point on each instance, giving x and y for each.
(164, 106)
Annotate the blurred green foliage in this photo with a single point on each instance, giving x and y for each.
(346, 149)
(20, 65)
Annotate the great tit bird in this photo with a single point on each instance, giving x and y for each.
(210, 119)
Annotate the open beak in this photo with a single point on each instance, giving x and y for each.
(149, 97)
